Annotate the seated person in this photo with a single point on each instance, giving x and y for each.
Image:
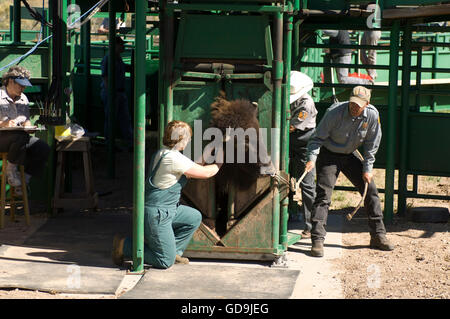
(168, 225)
(22, 148)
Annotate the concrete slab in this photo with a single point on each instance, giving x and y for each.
(27, 268)
(85, 238)
(305, 277)
(216, 281)
(67, 254)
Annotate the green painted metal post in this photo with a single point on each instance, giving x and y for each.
(162, 69)
(285, 119)
(111, 162)
(17, 22)
(59, 67)
(391, 129)
(86, 44)
(435, 63)
(139, 139)
(277, 78)
(69, 80)
(418, 78)
(169, 64)
(406, 79)
(285, 110)
(68, 63)
(49, 136)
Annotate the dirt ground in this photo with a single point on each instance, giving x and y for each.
(418, 268)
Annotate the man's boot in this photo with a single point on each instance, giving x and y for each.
(317, 248)
(381, 242)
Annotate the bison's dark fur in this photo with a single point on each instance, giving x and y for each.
(234, 114)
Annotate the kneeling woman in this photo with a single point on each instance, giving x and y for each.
(168, 226)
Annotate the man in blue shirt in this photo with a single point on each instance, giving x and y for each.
(122, 112)
(344, 127)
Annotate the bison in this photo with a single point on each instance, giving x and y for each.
(238, 121)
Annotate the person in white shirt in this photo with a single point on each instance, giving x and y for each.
(168, 225)
(22, 148)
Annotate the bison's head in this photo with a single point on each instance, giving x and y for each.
(245, 152)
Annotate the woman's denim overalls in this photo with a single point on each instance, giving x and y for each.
(168, 226)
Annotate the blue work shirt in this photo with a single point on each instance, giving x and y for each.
(303, 113)
(342, 133)
(120, 72)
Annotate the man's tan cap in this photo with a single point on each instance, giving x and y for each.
(360, 95)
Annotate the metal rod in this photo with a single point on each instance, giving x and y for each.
(285, 116)
(162, 69)
(139, 141)
(17, 22)
(343, 85)
(111, 161)
(212, 67)
(225, 7)
(432, 70)
(346, 65)
(345, 46)
(277, 77)
(391, 125)
(418, 78)
(415, 183)
(431, 44)
(352, 12)
(406, 78)
(169, 64)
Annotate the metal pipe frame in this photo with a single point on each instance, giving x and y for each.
(277, 78)
(139, 140)
(285, 119)
(347, 65)
(111, 162)
(404, 113)
(391, 123)
(225, 7)
(345, 46)
(17, 22)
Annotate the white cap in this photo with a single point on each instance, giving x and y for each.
(300, 84)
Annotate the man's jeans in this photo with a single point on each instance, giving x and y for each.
(329, 165)
(26, 150)
(370, 56)
(122, 115)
